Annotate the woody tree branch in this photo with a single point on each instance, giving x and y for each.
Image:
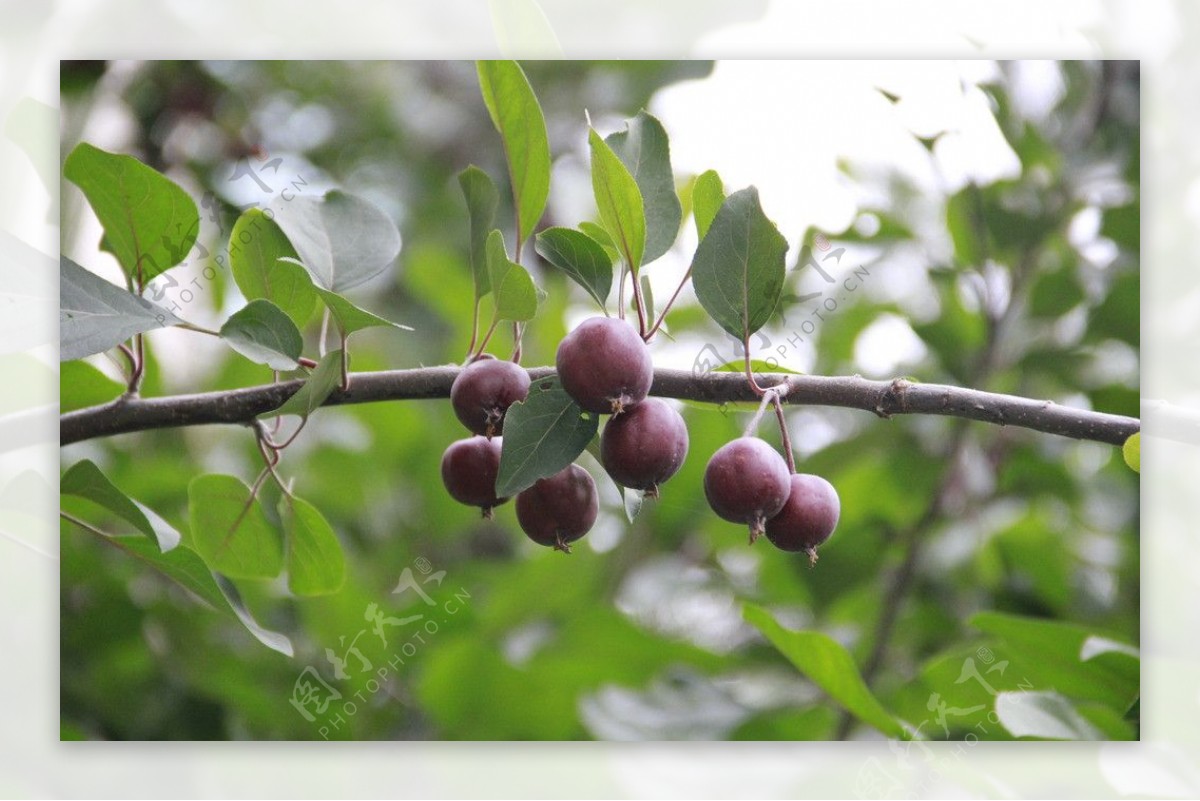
(883, 398)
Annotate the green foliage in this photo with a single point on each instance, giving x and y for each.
(518, 118)
(579, 256)
(512, 288)
(708, 195)
(263, 333)
(738, 269)
(645, 151)
(315, 563)
(1132, 452)
(313, 392)
(481, 196)
(350, 318)
(619, 201)
(85, 480)
(95, 315)
(149, 222)
(264, 266)
(230, 530)
(542, 435)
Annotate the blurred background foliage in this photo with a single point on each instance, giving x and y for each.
(1026, 284)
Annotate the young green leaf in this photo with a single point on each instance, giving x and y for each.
(342, 240)
(482, 198)
(313, 392)
(597, 232)
(738, 268)
(830, 666)
(542, 435)
(1132, 451)
(708, 193)
(643, 147)
(518, 118)
(85, 480)
(315, 562)
(229, 529)
(350, 318)
(264, 334)
(580, 257)
(149, 222)
(256, 247)
(512, 289)
(94, 315)
(619, 201)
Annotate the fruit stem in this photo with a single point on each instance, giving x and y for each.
(757, 418)
(518, 332)
(491, 330)
(474, 330)
(621, 294)
(784, 435)
(639, 305)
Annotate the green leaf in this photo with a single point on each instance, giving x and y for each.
(482, 199)
(82, 385)
(1044, 715)
(619, 201)
(230, 530)
(149, 222)
(738, 268)
(341, 239)
(580, 257)
(95, 315)
(829, 666)
(256, 247)
(708, 193)
(1132, 451)
(645, 150)
(518, 117)
(264, 334)
(85, 480)
(542, 435)
(350, 318)
(512, 288)
(315, 562)
(185, 567)
(597, 232)
(314, 391)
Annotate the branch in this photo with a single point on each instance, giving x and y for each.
(884, 398)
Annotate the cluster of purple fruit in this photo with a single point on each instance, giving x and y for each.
(606, 368)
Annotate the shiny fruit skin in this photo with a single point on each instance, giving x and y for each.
(469, 469)
(808, 518)
(483, 391)
(558, 510)
(645, 445)
(604, 365)
(747, 481)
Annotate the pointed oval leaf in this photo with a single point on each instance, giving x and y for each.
(513, 291)
(542, 435)
(315, 562)
(149, 222)
(738, 268)
(314, 391)
(644, 149)
(341, 239)
(580, 257)
(597, 232)
(95, 315)
(229, 529)
(350, 318)
(518, 118)
(829, 665)
(85, 480)
(619, 202)
(482, 199)
(264, 334)
(256, 246)
(708, 193)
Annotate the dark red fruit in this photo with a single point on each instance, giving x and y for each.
(604, 365)
(469, 469)
(747, 481)
(808, 518)
(560, 509)
(644, 446)
(484, 390)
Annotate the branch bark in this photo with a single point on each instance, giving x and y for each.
(883, 398)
